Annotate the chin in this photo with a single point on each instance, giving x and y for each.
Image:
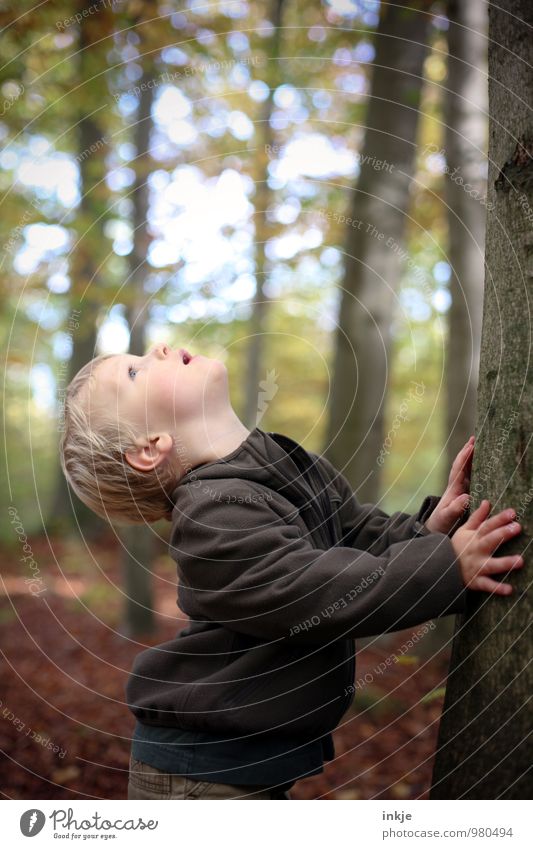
(217, 367)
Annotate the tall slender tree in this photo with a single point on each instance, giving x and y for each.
(138, 551)
(263, 228)
(91, 246)
(483, 746)
(372, 262)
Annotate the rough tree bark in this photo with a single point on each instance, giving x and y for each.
(483, 746)
(465, 117)
(372, 262)
(465, 138)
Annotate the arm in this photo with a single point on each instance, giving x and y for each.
(367, 527)
(245, 566)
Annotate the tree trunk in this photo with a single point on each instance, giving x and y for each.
(373, 241)
(465, 184)
(91, 244)
(138, 552)
(372, 263)
(483, 750)
(465, 122)
(263, 230)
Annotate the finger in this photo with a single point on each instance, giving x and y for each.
(461, 469)
(490, 586)
(496, 521)
(500, 535)
(454, 504)
(457, 507)
(458, 482)
(495, 565)
(462, 458)
(478, 516)
(461, 455)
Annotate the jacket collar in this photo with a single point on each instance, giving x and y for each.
(270, 459)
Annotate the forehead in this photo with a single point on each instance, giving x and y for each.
(104, 385)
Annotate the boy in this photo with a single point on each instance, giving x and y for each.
(279, 568)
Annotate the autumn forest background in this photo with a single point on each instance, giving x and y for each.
(299, 189)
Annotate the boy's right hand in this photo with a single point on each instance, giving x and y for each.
(475, 541)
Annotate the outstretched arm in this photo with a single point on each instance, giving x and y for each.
(248, 567)
(366, 526)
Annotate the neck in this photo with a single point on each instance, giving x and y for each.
(209, 440)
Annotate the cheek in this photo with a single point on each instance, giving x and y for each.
(181, 393)
(160, 391)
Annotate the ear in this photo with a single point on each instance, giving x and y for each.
(150, 451)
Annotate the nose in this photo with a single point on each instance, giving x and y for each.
(161, 350)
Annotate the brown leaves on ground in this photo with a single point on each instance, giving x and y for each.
(65, 729)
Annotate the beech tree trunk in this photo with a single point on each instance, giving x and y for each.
(91, 244)
(465, 117)
(465, 188)
(373, 244)
(138, 540)
(263, 230)
(484, 749)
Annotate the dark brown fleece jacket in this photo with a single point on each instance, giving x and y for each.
(279, 569)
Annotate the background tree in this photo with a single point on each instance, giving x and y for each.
(264, 229)
(483, 750)
(372, 267)
(138, 542)
(91, 248)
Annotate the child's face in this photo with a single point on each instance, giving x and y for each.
(158, 392)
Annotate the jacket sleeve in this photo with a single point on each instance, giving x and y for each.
(244, 564)
(367, 527)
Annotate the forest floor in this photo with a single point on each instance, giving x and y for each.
(66, 661)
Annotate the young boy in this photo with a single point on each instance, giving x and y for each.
(279, 569)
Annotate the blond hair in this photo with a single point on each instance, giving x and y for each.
(94, 463)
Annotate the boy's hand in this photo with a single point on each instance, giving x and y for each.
(455, 498)
(475, 541)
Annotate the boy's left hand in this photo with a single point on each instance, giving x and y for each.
(456, 496)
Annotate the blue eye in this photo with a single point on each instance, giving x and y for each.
(130, 370)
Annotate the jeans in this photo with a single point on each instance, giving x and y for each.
(148, 782)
